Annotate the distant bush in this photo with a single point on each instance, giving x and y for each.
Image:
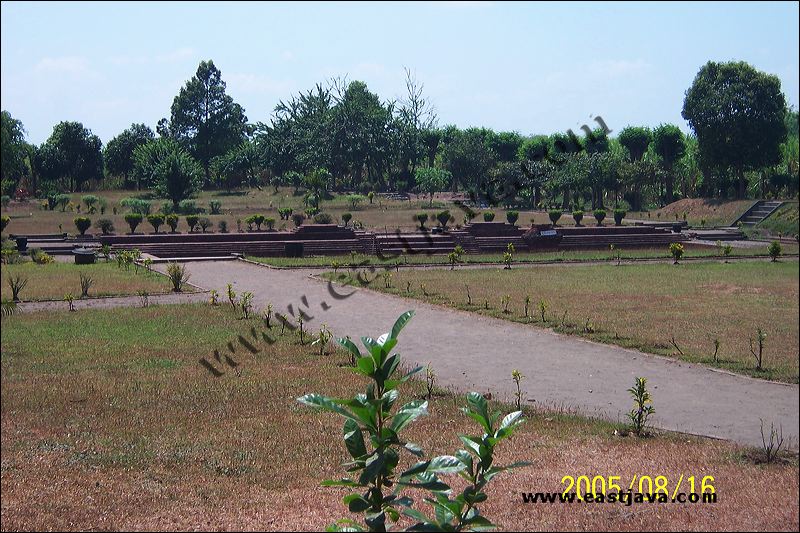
(192, 220)
(577, 216)
(82, 223)
(323, 218)
(512, 217)
(40, 257)
(554, 215)
(5, 200)
(298, 219)
(223, 226)
(599, 215)
(172, 221)
(189, 207)
(443, 217)
(215, 206)
(421, 218)
(270, 222)
(177, 275)
(105, 225)
(133, 220)
(205, 223)
(156, 221)
(676, 251)
(136, 205)
(346, 218)
(91, 201)
(285, 213)
(488, 216)
(619, 214)
(774, 250)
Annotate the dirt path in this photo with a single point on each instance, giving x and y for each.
(472, 352)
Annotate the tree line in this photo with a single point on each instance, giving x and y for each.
(340, 136)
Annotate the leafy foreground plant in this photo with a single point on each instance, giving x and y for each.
(371, 413)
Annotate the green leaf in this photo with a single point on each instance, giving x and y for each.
(445, 464)
(356, 503)
(365, 365)
(478, 405)
(407, 414)
(511, 420)
(473, 443)
(415, 449)
(340, 483)
(350, 346)
(400, 323)
(354, 440)
(323, 402)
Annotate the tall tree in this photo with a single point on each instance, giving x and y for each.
(431, 180)
(173, 172)
(636, 140)
(469, 160)
(12, 158)
(738, 115)
(205, 119)
(118, 153)
(670, 146)
(71, 156)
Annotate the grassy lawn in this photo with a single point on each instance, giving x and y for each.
(523, 257)
(110, 422)
(54, 280)
(640, 306)
(785, 221)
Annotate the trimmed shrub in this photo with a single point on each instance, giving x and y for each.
(298, 219)
(223, 226)
(177, 275)
(105, 225)
(188, 207)
(270, 222)
(443, 217)
(619, 214)
(775, 250)
(488, 216)
(554, 215)
(285, 213)
(4, 220)
(421, 218)
(205, 223)
(133, 220)
(577, 216)
(91, 201)
(346, 217)
(215, 206)
(599, 215)
(323, 218)
(512, 217)
(172, 221)
(136, 205)
(192, 220)
(156, 221)
(82, 223)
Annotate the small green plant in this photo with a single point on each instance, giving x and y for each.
(421, 218)
(105, 225)
(86, 284)
(172, 222)
(408, 287)
(231, 295)
(297, 219)
(177, 275)
(443, 217)
(505, 300)
(757, 347)
(323, 218)
(455, 256)
(205, 223)
(270, 222)
(268, 316)
(771, 446)
(144, 297)
(616, 253)
(246, 303)
(512, 217)
(4, 220)
(82, 223)
(774, 250)
(213, 298)
(387, 279)
(325, 336)
(423, 289)
(527, 305)
(8, 307)
(156, 220)
(517, 376)
(488, 216)
(577, 216)
(554, 215)
(148, 265)
(430, 381)
(599, 216)
(716, 349)
(469, 296)
(70, 299)
(300, 323)
(642, 407)
(375, 458)
(486, 303)
(105, 251)
(191, 221)
(543, 309)
(676, 251)
(133, 220)
(619, 214)
(727, 250)
(346, 217)
(40, 257)
(215, 207)
(508, 258)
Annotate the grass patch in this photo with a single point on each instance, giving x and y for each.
(54, 280)
(784, 221)
(87, 401)
(642, 306)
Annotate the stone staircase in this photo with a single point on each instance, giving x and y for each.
(760, 210)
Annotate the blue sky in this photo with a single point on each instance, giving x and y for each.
(528, 67)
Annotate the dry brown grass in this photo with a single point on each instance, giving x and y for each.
(642, 306)
(714, 212)
(109, 422)
(54, 280)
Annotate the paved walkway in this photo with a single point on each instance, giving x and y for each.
(472, 352)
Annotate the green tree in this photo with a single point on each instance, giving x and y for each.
(431, 180)
(71, 156)
(738, 114)
(468, 159)
(669, 144)
(205, 119)
(13, 156)
(118, 153)
(176, 175)
(636, 140)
